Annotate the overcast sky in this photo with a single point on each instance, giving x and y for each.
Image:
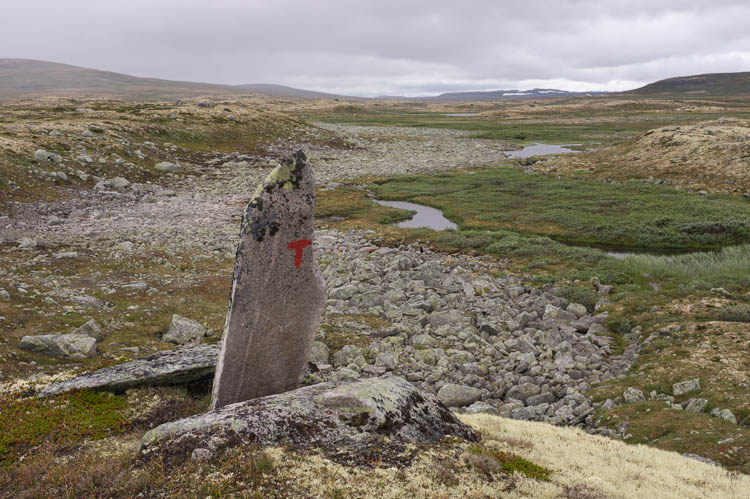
(402, 47)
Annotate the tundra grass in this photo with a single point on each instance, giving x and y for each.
(65, 420)
(717, 268)
(557, 121)
(579, 211)
(491, 128)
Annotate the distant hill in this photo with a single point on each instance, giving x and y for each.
(31, 78)
(716, 84)
(536, 93)
(282, 91)
(24, 77)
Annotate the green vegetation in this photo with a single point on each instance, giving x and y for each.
(513, 216)
(585, 295)
(652, 423)
(64, 420)
(727, 267)
(490, 127)
(578, 211)
(490, 460)
(554, 121)
(736, 313)
(529, 218)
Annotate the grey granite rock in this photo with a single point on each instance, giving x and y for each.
(91, 328)
(453, 395)
(724, 414)
(696, 405)
(577, 308)
(319, 353)
(116, 183)
(278, 293)
(65, 346)
(183, 331)
(523, 391)
(343, 419)
(166, 166)
(183, 365)
(632, 395)
(687, 386)
(553, 313)
(480, 407)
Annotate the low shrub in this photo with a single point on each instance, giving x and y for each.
(736, 313)
(585, 295)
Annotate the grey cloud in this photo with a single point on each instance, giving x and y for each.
(387, 46)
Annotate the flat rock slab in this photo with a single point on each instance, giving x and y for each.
(183, 365)
(344, 419)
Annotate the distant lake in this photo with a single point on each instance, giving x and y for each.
(426, 217)
(539, 149)
(460, 115)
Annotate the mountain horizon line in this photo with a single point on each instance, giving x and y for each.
(31, 77)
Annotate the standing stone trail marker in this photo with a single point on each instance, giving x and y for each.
(278, 294)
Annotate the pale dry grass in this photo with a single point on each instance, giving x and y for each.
(613, 467)
(593, 466)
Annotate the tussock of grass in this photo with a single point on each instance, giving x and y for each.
(737, 313)
(730, 265)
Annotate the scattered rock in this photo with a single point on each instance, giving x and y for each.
(319, 354)
(200, 454)
(724, 414)
(117, 184)
(91, 328)
(480, 407)
(166, 166)
(66, 346)
(632, 395)
(684, 387)
(183, 331)
(453, 395)
(696, 405)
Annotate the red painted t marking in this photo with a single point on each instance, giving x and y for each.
(298, 246)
